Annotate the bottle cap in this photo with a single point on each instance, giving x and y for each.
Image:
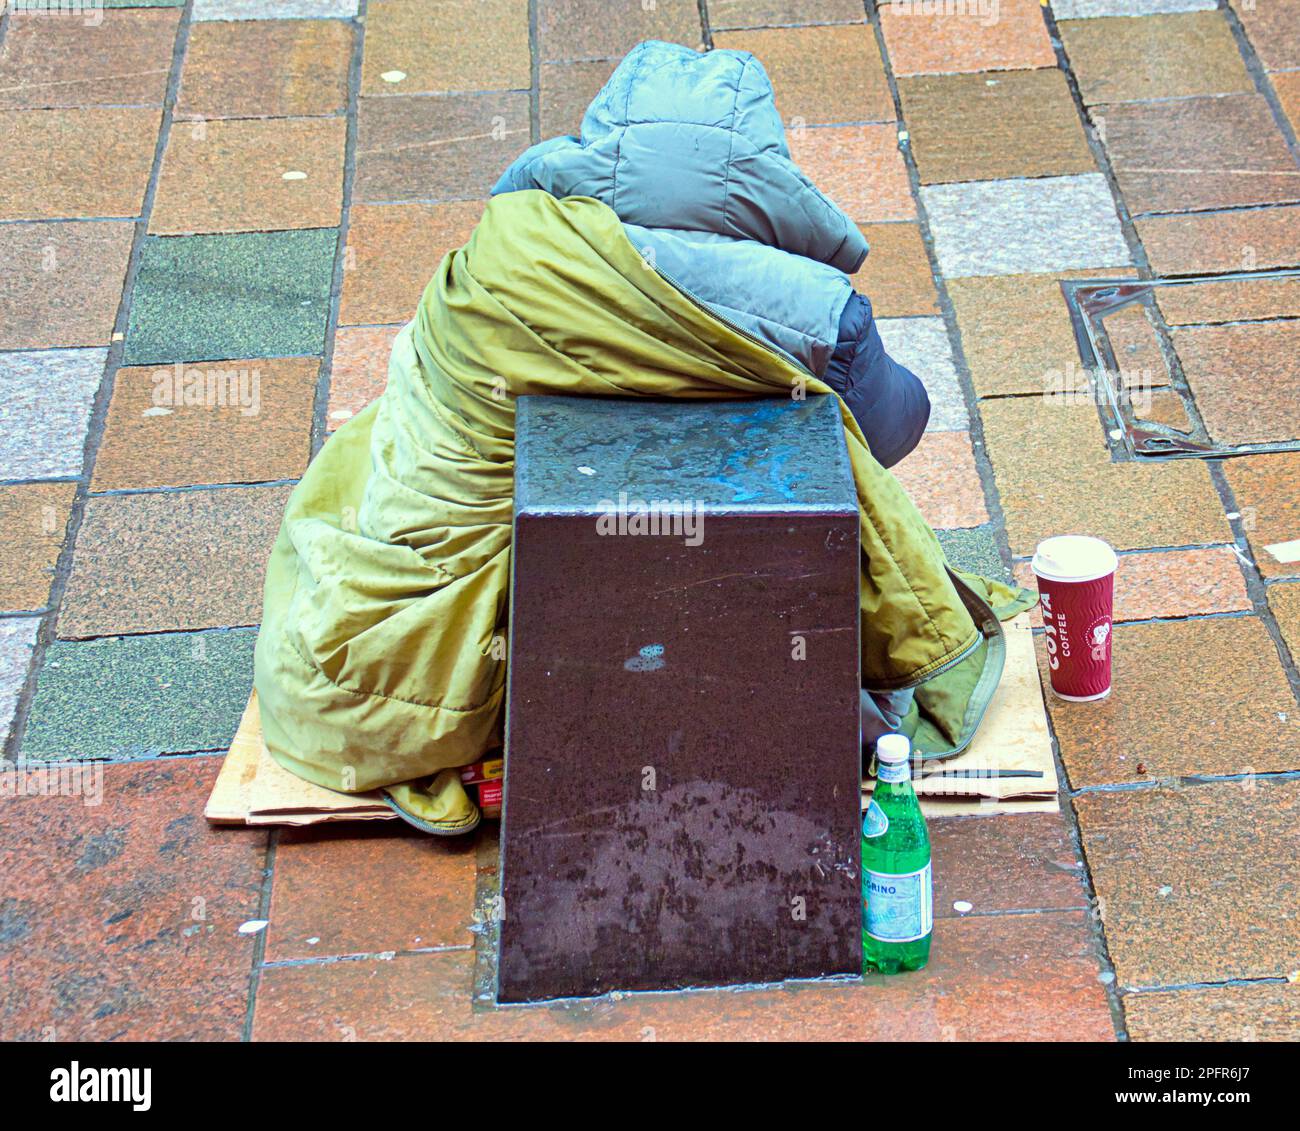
(893, 748)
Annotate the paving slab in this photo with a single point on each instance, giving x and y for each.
(1268, 1011)
(1217, 678)
(927, 39)
(859, 167)
(1094, 9)
(34, 517)
(975, 551)
(123, 59)
(1243, 379)
(481, 46)
(213, 297)
(1008, 977)
(896, 275)
(251, 175)
(1230, 300)
(1019, 227)
(380, 287)
(565, 90)
(1196, 884)
(943, 481)
(273, 9)
(1273, 27)
(1198, 153)
(822, 74)
(1284, 600)
(1267, 491)
(265, 69)
(123, 918)
(159, 562)
(595, 29)
(1207, 243)
(1055, 476)
(983, 127)
(45, 402)
(61, 282)
(360, 370)
(55, 161)
(922, 345)
(1161, 56)
(369, 890)
(725, 14)
(17, 639)
(130, 697)
(1287, 86)
(437, 147)
(246, 421)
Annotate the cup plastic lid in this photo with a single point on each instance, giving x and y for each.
(1074, 557)
(893, 748)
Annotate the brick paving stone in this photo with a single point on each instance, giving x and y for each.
(931, 39)
(273, 9)
(1218, 679)
(17, 638)
(974, 550)
(33, 517)
(1261, 1012)
(251, 175)
(481, 46)
(1007, 977)
(158, 562)
(360, 370)
(1287, 86)
(1022, 226)
(820, 74)
(1195, 153)
(1162, 56)
(921, 344)
(1284, 600)
(1231, 300)
(55, 161)
(1092, 9)
(596, 29)
(1267, 490)
(129, 697)
(380, 287)
(212, 297)
(233, 422)
(1243, 379)
(123, 916)
(359, 889)
(1171, 583)
(265, 68)
(943, 482)
(1252, 239)
(1014, 862)
(988, 127)
(437, 147)
(1196, 884)
(1273, 27)
(896, 274)
(1054, 476)
(725, 14)
(123, 59)
(565, 90)
(45, 402)
(858, 167)
(61, 283)
(1016, 332)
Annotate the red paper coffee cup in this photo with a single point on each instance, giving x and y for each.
(1076, 589)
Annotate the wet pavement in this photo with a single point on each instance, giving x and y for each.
(262, 188)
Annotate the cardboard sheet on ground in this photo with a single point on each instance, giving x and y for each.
(252, 789)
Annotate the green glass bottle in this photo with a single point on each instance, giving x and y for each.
(898, 902)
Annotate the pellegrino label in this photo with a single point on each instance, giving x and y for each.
(900, 908)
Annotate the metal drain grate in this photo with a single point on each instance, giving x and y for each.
(1201, 367)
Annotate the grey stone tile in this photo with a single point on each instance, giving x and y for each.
(17, 636)
(922, 345)
(975, 551)
(273, 9)
(1019, 227)
(1092, 9)
(45, 399)
(138, 696)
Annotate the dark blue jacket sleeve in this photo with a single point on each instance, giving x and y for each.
(888, 401)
